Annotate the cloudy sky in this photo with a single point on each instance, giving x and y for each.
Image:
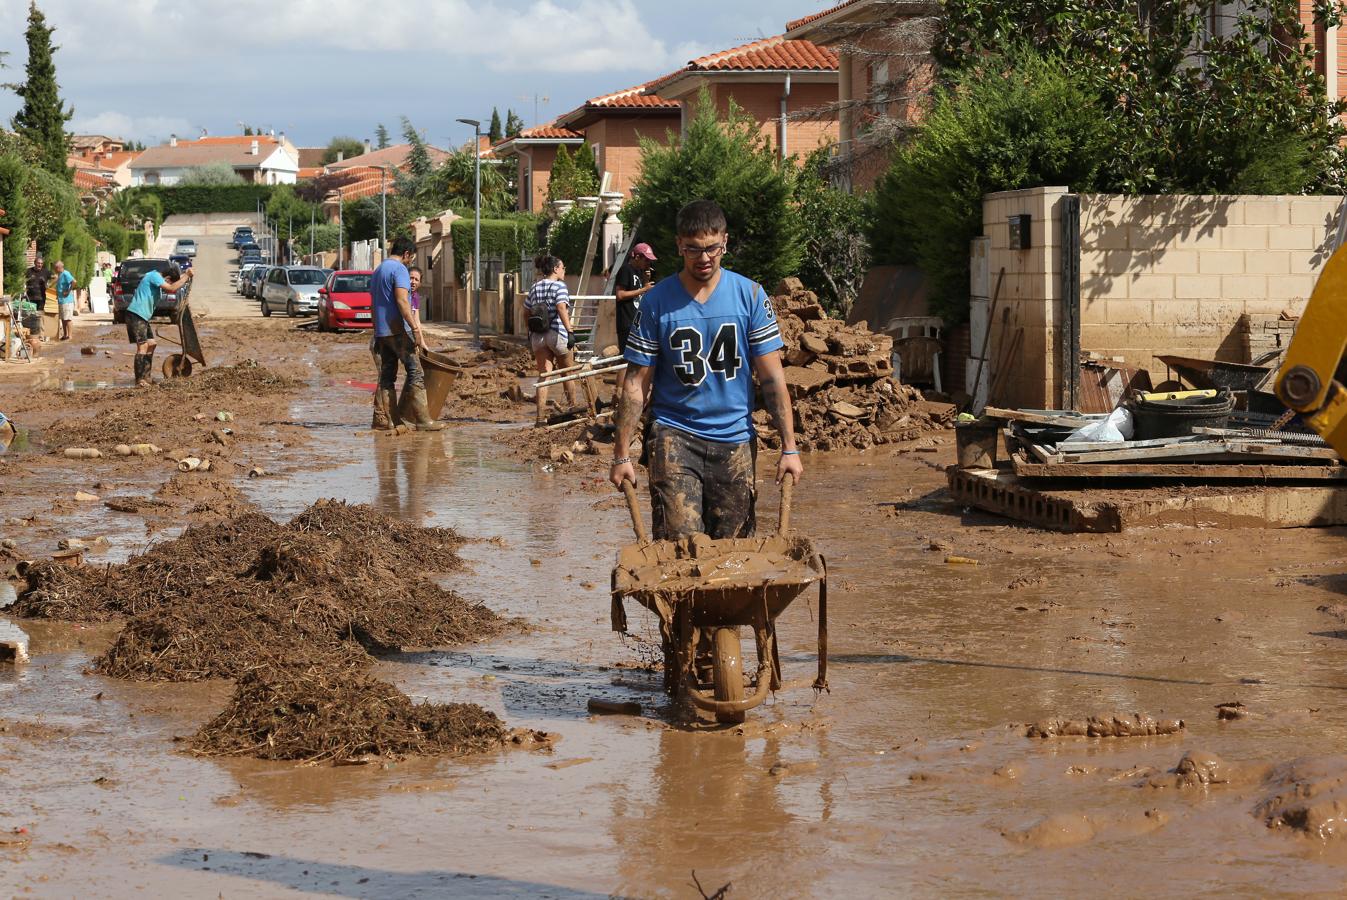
(142, 69)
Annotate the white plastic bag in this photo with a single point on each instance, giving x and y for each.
(1117, 427)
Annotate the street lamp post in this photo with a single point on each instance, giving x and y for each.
(477, 228)
(341, 232)
(313, 217)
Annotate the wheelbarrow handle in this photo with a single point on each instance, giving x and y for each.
(787, 489)
(634, 507)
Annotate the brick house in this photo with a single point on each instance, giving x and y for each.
(774, 80)
(534, 151)
(614, 124)
(856, 31)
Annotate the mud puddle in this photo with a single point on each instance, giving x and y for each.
(913, 776)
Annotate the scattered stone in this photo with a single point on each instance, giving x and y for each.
(86, 497)
(82, 453)
(224, 416)
(1227, 712)
(88, 351)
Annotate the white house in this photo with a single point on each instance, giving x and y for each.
(257, 159)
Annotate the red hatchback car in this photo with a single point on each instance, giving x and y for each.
(344, 302)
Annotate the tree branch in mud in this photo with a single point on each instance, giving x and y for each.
(718, 895)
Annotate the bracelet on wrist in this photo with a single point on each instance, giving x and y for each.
(621, 462)
(790, 452)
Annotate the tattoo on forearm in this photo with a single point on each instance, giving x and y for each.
(777, 399)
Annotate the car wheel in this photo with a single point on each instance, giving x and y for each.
(266, 310)
(290, 309)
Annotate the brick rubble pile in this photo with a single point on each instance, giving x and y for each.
(841, 382)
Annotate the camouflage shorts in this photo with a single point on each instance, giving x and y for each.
(699, 486)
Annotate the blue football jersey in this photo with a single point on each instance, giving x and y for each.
(702, 354)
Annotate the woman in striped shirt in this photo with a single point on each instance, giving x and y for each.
(549, 321)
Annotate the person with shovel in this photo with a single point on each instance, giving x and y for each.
(693, 349)
(398, 339)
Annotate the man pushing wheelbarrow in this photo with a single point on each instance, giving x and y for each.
(694, 348)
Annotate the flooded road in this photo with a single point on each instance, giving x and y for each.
(912, 777)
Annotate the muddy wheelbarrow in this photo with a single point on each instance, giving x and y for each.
(179, 365)
(704, 591)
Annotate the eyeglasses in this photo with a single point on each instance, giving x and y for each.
(696, 252)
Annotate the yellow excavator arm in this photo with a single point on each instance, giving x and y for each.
(1307, 381)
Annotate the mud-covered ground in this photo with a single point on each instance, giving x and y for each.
(915, 775)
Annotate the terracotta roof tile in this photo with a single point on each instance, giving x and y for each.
(771, 53)
(805, 20)
(549, 133)
(89, 181)
(364, 181)
(638, 97)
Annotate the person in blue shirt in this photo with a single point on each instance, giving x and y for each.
(398, 339)
(141, 310)
(697, 342)
(65, 298)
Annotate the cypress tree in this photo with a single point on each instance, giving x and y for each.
(513, 124)
(43, 116)
(497, 133)
(381, 136)
(560, 184)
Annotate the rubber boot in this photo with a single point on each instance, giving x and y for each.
(405, 414)
(420, 410)
(141, 367)
(149, 369)
(383, 410)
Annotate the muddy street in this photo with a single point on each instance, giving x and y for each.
(915, 775)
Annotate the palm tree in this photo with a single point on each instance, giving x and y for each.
(130, 209)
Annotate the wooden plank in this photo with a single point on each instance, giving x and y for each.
(1085, 446)
(1037, 418)
(1189, 472)
(1208, 449)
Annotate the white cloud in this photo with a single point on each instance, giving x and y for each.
(149, 129)
(519, 35)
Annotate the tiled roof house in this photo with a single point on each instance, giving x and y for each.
(260, 159)
(534, 151)
(774, 80)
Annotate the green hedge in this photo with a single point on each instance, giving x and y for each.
(75, 247)
(135, 240)
(200, 198)
(115, 238)
(510, 238)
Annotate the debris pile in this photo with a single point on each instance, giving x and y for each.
(489, 387)
(318, 714)
(308, 602)
(840, 378)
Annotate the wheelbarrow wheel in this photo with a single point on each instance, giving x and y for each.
(177, 365)
(728, 671)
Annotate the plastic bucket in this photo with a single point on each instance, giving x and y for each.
(975, 443)
(1177, 418)
(441, 373)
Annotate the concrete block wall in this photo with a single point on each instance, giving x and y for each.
(1159, 275)
(1171, 275)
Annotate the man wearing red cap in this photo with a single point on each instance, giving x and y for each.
(634, 279)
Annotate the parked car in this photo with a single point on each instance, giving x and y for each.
(241, 282)
(255, 280)
(243, 234)
(293, 289)
(248, 246)
(184, 247)
(181, 260)
(127, 279)
(344, 300)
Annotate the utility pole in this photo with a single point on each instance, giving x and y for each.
(477, 229)
(313, 213)
(341, 232)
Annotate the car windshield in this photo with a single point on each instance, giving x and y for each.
(307, 276)
(351, 284)
(136, 268)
